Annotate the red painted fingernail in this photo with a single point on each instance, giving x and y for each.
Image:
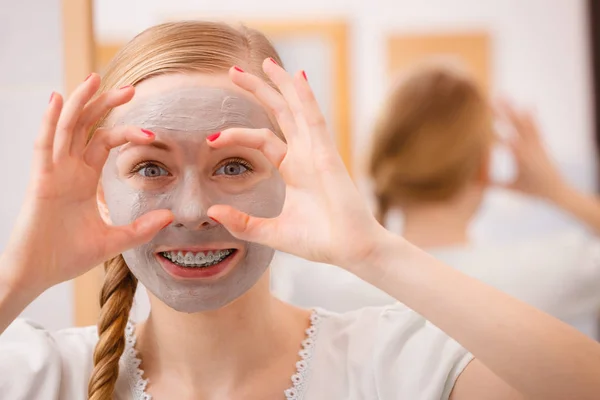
(273, 61)
(304, 75)
(238, 69)
(125, 87)
(51, 97)
(89, 76)
(148, 133)
(213, 137)
(214, 220)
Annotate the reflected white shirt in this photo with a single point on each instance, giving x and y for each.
(557, 273)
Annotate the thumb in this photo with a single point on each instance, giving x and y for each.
(242, 225)
(140, 231)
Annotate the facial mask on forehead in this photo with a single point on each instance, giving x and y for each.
(184, 117)
(197, 110)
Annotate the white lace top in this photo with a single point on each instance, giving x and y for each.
(387, 353)
(138, 384)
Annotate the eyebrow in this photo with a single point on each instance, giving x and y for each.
(158, 145)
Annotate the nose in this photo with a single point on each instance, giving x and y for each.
(191, 202)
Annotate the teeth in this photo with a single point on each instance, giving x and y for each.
(200, 259)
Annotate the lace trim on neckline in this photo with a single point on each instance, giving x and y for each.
(135, 374)
(138, 384)
(300, 378)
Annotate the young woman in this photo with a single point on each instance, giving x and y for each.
(188, 187)
(430, 160)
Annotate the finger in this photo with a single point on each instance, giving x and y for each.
(268, 97)
(517, 148)
(142, 230)
(70, 115)
(513, 117)
(312, 112)
(285, 83)
(95, 110)
(501, 110)
(529, 125)
(243, 226)
(104, 140)
(45, 141)
(505, 140)
(263, 140)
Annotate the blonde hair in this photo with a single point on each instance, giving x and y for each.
(432, 138)
(178, 47)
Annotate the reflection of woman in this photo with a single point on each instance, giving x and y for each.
(181, 192)
(430, 159)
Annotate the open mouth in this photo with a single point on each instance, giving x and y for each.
(201, 259)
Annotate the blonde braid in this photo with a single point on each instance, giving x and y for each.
(116, 300)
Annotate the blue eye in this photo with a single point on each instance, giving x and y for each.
(152, 171)
(232, 168)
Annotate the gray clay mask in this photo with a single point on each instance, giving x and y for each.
(182, 119)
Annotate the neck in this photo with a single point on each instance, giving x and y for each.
(440, 224)
(217, 350)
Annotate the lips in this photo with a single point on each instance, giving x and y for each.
(189, 264)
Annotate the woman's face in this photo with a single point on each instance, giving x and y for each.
(194, 264)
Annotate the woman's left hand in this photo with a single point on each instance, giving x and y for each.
(324, 217)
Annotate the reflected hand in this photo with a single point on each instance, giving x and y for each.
(324, 218)
(59, 233)
(537, 175)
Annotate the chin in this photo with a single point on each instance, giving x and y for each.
(209, 299)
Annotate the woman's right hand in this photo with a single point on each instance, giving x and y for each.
(59, 233)
(537, 174)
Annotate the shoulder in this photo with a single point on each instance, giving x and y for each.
(72, 345)
(389, 329)
(37, 363)
(390, 351)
